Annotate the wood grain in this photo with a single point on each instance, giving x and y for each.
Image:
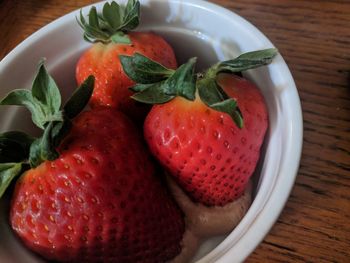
(314, 39)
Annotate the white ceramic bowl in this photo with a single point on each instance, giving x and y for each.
(194, 28)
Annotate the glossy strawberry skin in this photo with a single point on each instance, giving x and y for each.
(111, 86)
(100, 201)
(209, 156)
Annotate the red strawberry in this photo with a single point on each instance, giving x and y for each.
(102, 61)
(99, 200)
(205, 141)
(210, 157)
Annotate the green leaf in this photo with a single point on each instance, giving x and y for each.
(167, 84)
(229, 106)
(112, 14)
(121, 38)
(21, 138)
(140, 87)
(112, 24)
(14, 146)
(59, 131)
(183, 81)
(131, 16)
(216, 98)
(144, 70)
(80, 98)
(210, 92)
(153, 94)
(45, 90)
(248, 60)
(93, 35)
(43, 148)
(93, 18)
(43, 101)
(24, 98)
(8, 171)
(92, 30)
(130, 6)
(81, 21)
(19, 147)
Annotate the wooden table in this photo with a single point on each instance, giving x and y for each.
(314, 39)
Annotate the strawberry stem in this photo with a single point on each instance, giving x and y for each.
(157, 84)
(112, 24)
(20, 152)
(216, 98)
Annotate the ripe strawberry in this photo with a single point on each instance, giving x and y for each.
(201, 138)
(210, 157)
(98, 200)
(110, 33)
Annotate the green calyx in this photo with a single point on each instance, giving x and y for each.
(249, 60)
(215, 97)
(112, 24)
(157, 84)
(19, 151)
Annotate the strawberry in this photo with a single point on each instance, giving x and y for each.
(210, 157)
(206, 132)
(111, 37)
(91, 194)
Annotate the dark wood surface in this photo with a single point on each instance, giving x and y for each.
(314, 38)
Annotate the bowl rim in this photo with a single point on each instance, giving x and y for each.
(264, 220)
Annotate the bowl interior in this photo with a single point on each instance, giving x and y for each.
(194, 28)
